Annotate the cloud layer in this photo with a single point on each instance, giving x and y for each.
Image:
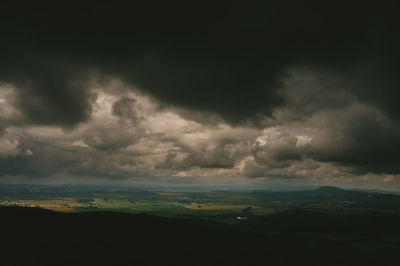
(284, 90)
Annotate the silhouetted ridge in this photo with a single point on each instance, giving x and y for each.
(33, 236)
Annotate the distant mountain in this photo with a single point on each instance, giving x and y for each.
(329, 189)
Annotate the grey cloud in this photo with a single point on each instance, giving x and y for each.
(219, 155)
(109, 139)
(361, 137)
(228, 60)
(307, 92)
(283, 151)
(329, 70)
(216, 158)
(53, 157)
(52, 98)
(124, 108)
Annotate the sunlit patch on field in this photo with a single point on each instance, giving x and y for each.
(46, 204)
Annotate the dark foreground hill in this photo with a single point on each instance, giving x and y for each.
(31, 236)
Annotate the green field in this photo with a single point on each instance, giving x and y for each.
(217, 205)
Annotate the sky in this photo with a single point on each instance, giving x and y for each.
(238, 94)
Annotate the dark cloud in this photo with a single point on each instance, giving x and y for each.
(229, 59)
(308, 92)
(359, 137)
(39, 157)
(52, 100)
(124, 108)
(327, 68)
(42, 162)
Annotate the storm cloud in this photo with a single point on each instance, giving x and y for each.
(279, 89)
